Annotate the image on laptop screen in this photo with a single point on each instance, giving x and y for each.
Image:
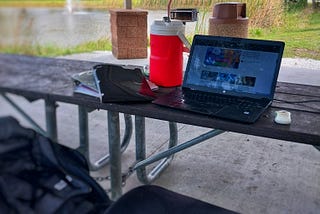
(233, 66)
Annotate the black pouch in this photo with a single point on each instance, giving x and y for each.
(121, 83)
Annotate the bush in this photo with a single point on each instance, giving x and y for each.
(294, 5)
(265, 14)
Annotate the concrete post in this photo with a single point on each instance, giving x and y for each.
(129, 33)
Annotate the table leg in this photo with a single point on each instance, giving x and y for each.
(84, 138)
(115, 154)
(177, 148)
(142, 174)
(165, 156)
(51, 119)
(124, 143)
(84, 133)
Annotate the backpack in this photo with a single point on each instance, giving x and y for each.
(40, 176)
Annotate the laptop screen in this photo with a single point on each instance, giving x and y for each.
(234, 66)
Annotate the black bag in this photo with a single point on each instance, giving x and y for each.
(39, 176)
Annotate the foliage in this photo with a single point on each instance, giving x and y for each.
(51, 50)
(300, 33)
(294, 5)
(264, 14)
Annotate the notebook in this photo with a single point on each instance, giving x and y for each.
(229, 78)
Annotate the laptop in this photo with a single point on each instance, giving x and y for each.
(229, 78)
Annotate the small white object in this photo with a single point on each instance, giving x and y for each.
(283, 117)
(60, 185)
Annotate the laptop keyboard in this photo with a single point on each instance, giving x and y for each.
(220, 106)
(219, 101)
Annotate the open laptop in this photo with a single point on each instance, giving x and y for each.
(230, 78)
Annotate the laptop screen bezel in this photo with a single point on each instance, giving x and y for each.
(263, 45)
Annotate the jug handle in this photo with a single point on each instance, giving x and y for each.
(184, 41)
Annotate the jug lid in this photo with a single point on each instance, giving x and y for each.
(160, 27)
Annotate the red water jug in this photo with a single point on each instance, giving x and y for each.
(166, 53)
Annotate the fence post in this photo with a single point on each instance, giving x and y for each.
(127, 4)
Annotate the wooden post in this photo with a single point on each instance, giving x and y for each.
(127, 4)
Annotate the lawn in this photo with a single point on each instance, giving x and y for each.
(301, 33)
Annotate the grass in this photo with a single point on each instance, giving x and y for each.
(300, 32)
(49, 50)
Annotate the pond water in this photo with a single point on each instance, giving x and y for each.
(47, 26)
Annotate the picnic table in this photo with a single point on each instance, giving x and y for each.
(50, 79)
